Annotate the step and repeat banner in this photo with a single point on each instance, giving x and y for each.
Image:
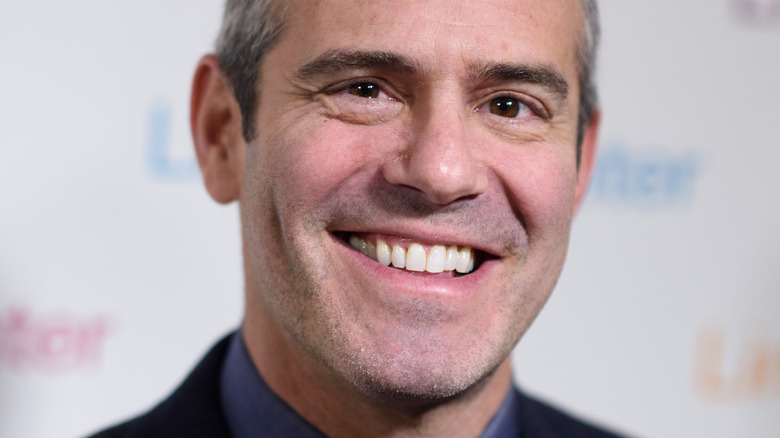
(117, 271)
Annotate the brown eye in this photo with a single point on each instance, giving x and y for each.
(505, 107)
(364, 89)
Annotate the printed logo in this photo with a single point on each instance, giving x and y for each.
(649, 178)
(734, 369)
(54, 342)
(160, 161)
(756, 13)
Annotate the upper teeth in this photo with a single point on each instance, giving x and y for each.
(414, 258)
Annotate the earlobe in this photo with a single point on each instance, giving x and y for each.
(215, 121)
(587, 159)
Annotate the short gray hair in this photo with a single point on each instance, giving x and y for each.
(250, 28)
(586, 65)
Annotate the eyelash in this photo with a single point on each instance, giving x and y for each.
(533, 105)
(347, 85)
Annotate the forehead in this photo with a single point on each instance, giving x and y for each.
(439, 33)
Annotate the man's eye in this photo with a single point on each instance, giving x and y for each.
(505, 106)
(362, 101)
(364, 89)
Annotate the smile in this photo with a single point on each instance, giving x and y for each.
(416, 256)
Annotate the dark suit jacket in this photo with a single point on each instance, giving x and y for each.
(194, 411)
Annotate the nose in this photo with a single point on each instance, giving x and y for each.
(439, 159)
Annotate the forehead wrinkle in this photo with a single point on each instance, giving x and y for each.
(339, 60)
(543, 75)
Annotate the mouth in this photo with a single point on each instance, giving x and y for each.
(416, 257)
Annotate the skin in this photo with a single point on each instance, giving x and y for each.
(432, 157)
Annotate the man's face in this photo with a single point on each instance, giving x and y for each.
(425, 125)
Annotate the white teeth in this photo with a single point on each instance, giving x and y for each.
(452, 258)
(382, 252)
(464, 258)
(399, 257)
(355, 242)
(435, 262)
(415, 258)
(440, 258)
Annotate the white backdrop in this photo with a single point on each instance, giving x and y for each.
(117, 271)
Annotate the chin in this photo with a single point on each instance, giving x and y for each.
(421, 391)
(416, 376)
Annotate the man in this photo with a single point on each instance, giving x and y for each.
(407, 173)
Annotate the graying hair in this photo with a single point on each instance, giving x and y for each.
(250, 28)
(586, 65)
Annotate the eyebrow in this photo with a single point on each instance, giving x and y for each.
(336, 61)
(542, 75)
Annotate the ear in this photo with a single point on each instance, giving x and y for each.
(587, 159)
(215, 120)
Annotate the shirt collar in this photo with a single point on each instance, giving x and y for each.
(252, 409)
(506, 421)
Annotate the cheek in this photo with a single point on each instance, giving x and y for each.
(540, 184)
(312, 162)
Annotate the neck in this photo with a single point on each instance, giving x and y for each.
(338, 408)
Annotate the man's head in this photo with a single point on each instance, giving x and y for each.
(399, 126)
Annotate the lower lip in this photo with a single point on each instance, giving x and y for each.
(419, 283)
